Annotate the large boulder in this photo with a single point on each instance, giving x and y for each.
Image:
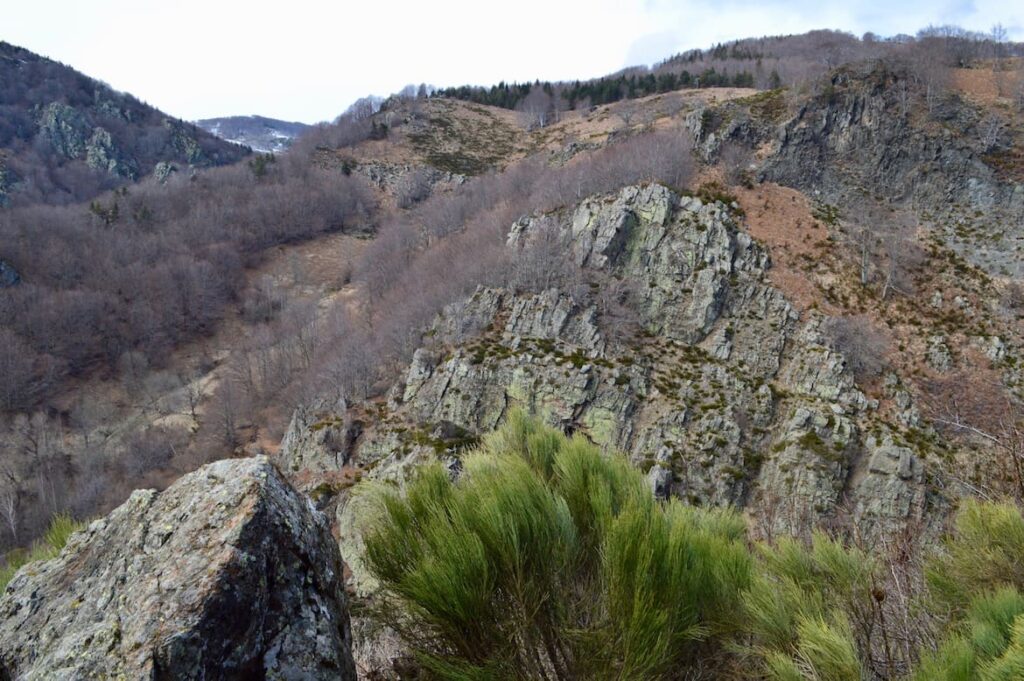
(228, 574)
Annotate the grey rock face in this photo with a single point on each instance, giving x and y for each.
(65, 128)
(101, 154)
(70, 134)
(939, 356)
(317, 442)
(892, 485)
(727, 398)
(8, 275)
(163, 170)
(410, 183)
(184, 142)
(856, 139)
(228, 574)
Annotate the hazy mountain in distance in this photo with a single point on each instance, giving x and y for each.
(258, 132)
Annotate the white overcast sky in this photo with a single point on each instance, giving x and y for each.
(307, 60)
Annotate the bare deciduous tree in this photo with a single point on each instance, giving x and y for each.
(978, 405)
(863, 345)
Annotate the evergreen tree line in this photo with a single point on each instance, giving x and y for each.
(793, 61)
(601, 91)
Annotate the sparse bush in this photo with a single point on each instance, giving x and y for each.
(863, 345)
(548, 559)
(56, 537)
(983, 555)
(975, 584)
(809, 610)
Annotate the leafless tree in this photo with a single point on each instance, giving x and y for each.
(544, 261)
(10, 502)
(736, 162)
(414, 186)
(537, 109)
(862, 344)
(362, 108)
(977, 405)
(991, 131)
(902, 254)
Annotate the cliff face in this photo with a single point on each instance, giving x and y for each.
(721, 393)
(724, 396)
(228, 574)
(863, 138)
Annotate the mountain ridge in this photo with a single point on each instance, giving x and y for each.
(65, 137)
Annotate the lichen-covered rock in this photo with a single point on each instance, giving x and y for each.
(726, 398)
(411, 183)
(65, 129)
(939, 356)
(318, 441)
(184, 143)
(101, 154)
(163, 170)
(228, 574)
(377, 649)
(890, 487)
(802, 481)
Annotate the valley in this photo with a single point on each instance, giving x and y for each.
(748, 341)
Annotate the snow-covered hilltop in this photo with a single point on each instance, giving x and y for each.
(259, 133)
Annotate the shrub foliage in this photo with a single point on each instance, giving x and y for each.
(546, 558)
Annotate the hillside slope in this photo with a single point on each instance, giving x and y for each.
(65, 137)
(803, 303)
(795, 340)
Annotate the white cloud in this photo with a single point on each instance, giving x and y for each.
(308, 59)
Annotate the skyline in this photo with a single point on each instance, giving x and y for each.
(203, 60)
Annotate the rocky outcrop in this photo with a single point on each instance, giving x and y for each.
(862, 137)
(228, 574)
(723, 397)
(721, 393)
(98, 139)
(891, 485)
(65, 129)
(748, 121)
(70, 134)
(318, 443)
(183, 142)
(163, 170)
(101, 154)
